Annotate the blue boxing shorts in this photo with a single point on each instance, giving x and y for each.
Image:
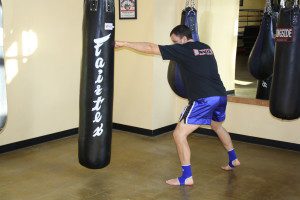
(202, 111)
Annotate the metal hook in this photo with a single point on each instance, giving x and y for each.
(93, 5)
(109, 5)
(268, 7)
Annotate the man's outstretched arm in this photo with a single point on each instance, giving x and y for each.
(144, 47)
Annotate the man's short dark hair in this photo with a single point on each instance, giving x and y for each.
(181, 31)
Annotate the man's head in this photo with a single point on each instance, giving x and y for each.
(181, 34)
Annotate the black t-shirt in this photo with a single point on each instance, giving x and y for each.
(198, 68)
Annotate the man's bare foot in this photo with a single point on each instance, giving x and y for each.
(235, 163)
(175, 181)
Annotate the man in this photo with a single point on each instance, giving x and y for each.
(206, 94)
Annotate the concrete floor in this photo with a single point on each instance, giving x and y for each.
(139, 167)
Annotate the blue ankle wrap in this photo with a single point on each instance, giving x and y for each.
(232, 157)
(186, 173)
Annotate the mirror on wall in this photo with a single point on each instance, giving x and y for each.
(250, 18)
(251, 15)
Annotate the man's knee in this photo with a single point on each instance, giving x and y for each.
(180, 131)
(183, 130)
(215, 126)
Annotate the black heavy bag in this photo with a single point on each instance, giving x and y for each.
(96, 89)
(274, 22)
(175, 79)
(264, 88)
(260, 62)
(285, 90)
(3, 96)
(189, 18)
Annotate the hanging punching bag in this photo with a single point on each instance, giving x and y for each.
(285, 90)
(191, 22)
(189, 18)
(96, 89)
(3, 97)
(260, 62)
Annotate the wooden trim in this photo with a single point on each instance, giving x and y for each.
(243, 100)
(251, 10)
(250, 16)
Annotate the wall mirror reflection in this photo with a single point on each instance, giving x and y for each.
(257, 27)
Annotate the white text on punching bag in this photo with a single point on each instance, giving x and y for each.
(284, 34)
(98, 103)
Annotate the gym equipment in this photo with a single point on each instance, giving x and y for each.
(96, 86)
(260, 62)
(189, 18)
(285, 90)
(3, 97)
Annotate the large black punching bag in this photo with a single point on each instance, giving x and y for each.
(260, 62)
(189, 18)
(285, 90)
(96, 87)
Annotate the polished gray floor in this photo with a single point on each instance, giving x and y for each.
(139, 167)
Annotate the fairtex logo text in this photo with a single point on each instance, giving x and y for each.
(99, 65)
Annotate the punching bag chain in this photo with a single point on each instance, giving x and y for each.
(190, 3)
(268, 8)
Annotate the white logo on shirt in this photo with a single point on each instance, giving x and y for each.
(203, 52)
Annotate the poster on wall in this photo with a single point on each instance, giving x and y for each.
(127, 9)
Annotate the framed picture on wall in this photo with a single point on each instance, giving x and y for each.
(127, 9)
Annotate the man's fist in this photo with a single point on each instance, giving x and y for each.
(119, 44)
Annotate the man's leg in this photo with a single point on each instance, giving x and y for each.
(227, 143)
(180, 137)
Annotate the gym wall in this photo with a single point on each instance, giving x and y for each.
(133, 103)
(257, 121)
(156, 105)
(42, 57)
(164, 100)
